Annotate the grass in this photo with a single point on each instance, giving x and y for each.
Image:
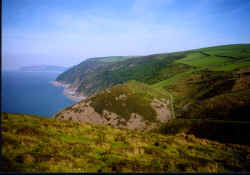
(131, 97)
(229, 106)
(236, 51)
(234, 66)
(171, 80)
(204, 93)
(220, 58)
(35, 144)
(115, 58)
(222, 131)
(199, 60)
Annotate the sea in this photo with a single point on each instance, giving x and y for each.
(32, 93)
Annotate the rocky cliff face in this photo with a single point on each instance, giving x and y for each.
(84, 112)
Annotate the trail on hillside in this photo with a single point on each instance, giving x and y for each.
(171, 103)
(171, 99)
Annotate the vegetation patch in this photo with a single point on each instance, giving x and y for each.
(78, 147)
(222, 131)
(131, 97)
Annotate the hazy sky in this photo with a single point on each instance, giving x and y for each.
(65, 32)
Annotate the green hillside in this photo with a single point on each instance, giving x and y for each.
(138, 99)
(35, 144)
(115, 58)
(96, 74)
(93, 75)
(195, 79)
(132, 105)
(221, 131)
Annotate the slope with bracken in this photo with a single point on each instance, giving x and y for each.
(37, 144)
(131, 105)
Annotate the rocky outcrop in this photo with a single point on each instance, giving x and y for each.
(162, 110)
(84, 112)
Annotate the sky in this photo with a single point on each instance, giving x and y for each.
(66, 32)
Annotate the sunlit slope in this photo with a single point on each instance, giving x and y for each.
(35, 144)
(221, 58)
(215, 86)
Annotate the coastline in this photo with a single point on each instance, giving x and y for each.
(70, 93)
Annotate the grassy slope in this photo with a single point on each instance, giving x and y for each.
(213, 85)
(34, 144)
(222, 58)
(138, 98)
(115, 58)
(212, 95)
(96, 74)
(223, 131)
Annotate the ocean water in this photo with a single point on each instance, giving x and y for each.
(32, 93)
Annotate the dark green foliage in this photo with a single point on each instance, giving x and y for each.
(132, 97)
(229, 106)
(146, 69)
(210, 94)
(222, 131)
(94, 75)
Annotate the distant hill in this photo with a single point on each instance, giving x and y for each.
(44, 68)
(96, 74)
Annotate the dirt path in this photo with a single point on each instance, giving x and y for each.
(171, 103)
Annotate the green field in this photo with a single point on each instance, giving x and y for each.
(199, 60)
(221, 58)
(236, 51)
